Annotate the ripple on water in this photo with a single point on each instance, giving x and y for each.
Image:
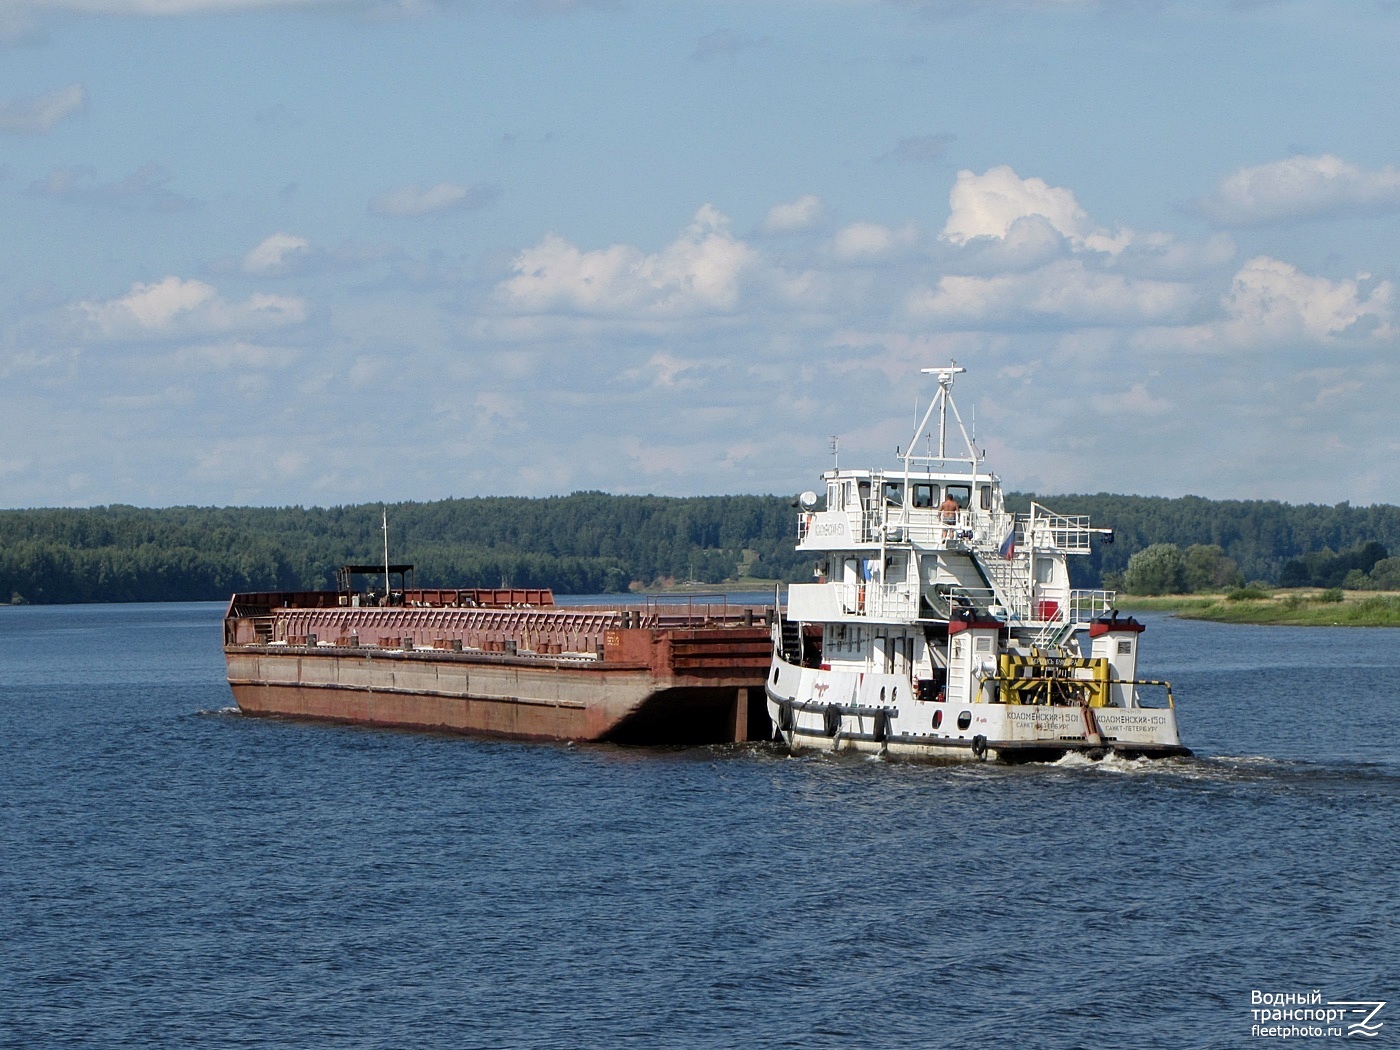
(177, 874)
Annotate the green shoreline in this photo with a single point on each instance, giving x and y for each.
(1305, 607)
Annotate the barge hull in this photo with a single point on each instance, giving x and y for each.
(683, 674)
(523, 701)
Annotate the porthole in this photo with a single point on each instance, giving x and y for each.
(964, 719)
(937, 718)
(775, 676)
(882, 694)
(894, 695)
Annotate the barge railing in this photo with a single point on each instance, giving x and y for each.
(273, 619)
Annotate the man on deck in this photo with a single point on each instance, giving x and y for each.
(948, 510)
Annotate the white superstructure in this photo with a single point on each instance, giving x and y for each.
(940, 624)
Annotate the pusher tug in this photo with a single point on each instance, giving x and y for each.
(943, 626)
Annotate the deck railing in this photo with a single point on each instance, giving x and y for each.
(1062, 619)
(1070, 533)
(882, 601)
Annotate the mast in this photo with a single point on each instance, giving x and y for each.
(385, 526)
(945, 386)
(942, 400)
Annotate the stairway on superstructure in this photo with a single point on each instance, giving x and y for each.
(1009, 580)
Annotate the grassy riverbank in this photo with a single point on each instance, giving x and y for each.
(1297, 608)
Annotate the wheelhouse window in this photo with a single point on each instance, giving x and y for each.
(894, 493)
(961, 493)
(925, 495)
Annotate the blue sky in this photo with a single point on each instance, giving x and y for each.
(317, 252)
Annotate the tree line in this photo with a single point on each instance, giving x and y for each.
(1222, 541)
(592, 542)
(1164, 568)
(585, 543)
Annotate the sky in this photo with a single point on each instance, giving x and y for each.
(326, 252)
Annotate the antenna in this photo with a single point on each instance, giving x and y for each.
(836, 451)
(387, 592)
(942, 403)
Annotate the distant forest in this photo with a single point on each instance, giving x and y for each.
(585, 543)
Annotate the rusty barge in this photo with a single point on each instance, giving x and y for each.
(502, 662)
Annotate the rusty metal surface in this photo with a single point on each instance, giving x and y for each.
(495, 695)
(665, 673)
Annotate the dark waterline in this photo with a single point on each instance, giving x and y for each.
(177, 875)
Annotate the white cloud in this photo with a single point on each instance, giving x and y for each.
(652, 458)
(665, 370)
(275, 254)
(700, 272)
(236, 356)
(176, 307)
(1300, 187)
(1334, 393)
(865, 241)
(34, 116)
(249, 456)
(1273, 301)
(794, 216)
(1273, 304)
(1028, 255)
(1030, 241)
(706, 325)
(1066, 292)
(1162, 255)
(990, 205)
(1135, 402)
(425, 200)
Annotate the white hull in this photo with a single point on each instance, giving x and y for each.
(842, 710)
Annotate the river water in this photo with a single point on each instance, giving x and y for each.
(173, 874)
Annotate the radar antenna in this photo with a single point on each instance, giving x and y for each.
(942, 402)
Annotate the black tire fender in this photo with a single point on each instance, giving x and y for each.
(882, 726)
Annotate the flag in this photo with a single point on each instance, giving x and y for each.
(1008, 545)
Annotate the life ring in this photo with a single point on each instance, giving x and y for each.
(979, 747)
(831, 719)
